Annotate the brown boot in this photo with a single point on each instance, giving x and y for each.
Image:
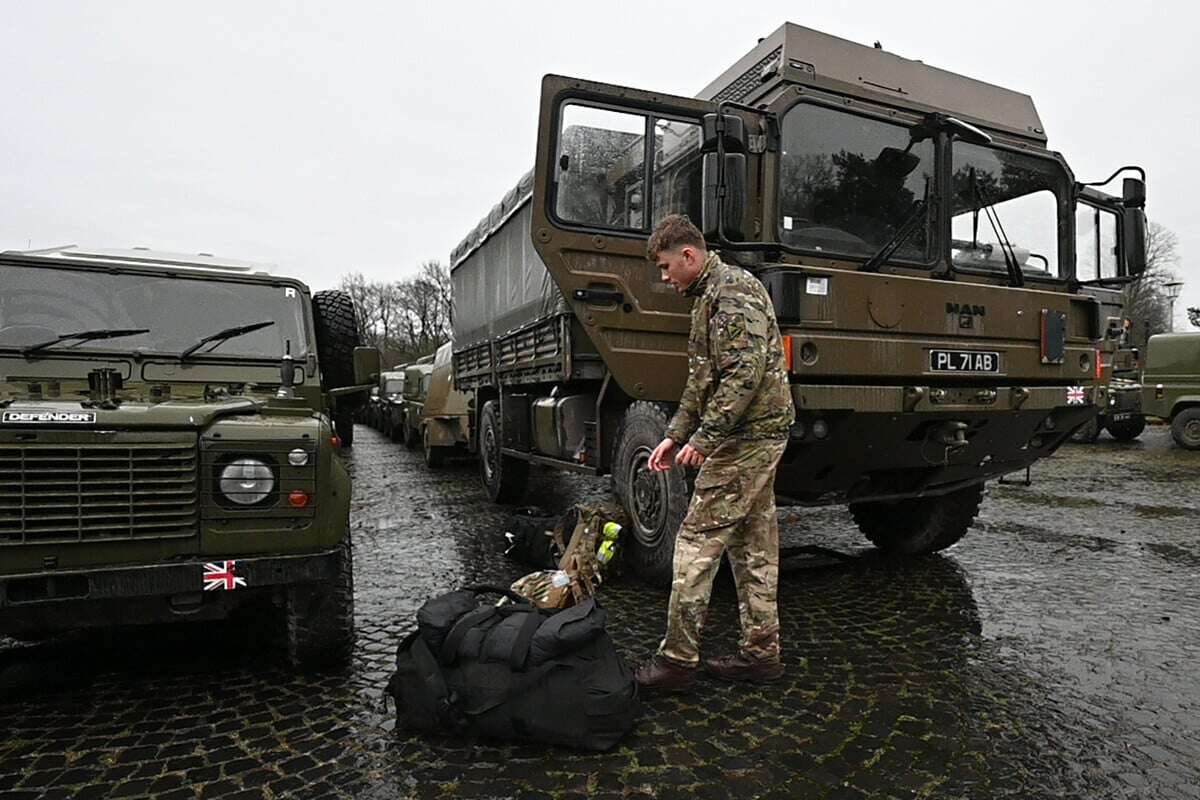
(741, 667)
(657, 674)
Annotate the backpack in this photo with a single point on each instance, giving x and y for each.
(535, 537)
(513, 672)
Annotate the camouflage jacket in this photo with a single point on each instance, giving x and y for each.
(737, 376)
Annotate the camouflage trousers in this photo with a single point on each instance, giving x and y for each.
(732, 512)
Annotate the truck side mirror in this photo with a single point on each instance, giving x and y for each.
(1134, 223)
(723, 212)
(1133, 193)
(367, 367)
(733, 134)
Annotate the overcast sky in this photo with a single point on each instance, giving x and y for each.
(333, 137)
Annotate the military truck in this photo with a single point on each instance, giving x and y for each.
(1171, 385)
(1099, 256)
(416, 387)
(445, 419)
(915, 234)
(388, 407)
(167, 445)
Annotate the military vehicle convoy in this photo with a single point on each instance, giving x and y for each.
(386, 409)
(416, 387)
(167, 446)
(914, 231)
(446, 418)
(1171, 385)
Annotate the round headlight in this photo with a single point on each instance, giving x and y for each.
(298, 457)
(247, 481)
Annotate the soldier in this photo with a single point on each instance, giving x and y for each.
(732, 423)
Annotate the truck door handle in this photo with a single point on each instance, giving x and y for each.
(599, 296)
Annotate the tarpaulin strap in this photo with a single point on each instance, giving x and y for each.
(459, 632)
(519, 655)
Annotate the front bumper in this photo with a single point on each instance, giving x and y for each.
(164, 580)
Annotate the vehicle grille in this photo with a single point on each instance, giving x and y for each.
(67, 492)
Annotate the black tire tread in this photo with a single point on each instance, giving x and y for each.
(512, 473)
(654, 566)
(320, 617)
(338, 333)
(919, 525)
(1127, 430)
(1179, 425)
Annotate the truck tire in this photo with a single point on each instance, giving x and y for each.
(435, 457)
(1127, 429)
(504, 477)
(1185, 429)
(337, 335)
(320, 617)
(656, 502)
(1088, 432)
(918, 525)
(343, 426)
(412, 436)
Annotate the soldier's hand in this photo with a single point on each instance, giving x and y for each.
(660, 459)
(690, 457)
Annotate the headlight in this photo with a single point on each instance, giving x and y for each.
(247, 481)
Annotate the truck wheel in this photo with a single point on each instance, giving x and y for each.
(343, 426)
(320, 617)
(655, 501)
(337, 335)
(435, 456)
(1088, 432)
(504, 477)
(1127, 429)
(921, 524)
(1185, 429)
(412, 436)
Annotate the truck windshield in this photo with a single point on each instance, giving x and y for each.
(1005, 200)
(847, 182)
(37, 304)
(394, 386)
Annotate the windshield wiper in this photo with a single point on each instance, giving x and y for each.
(221, 336)
(911, 224)
(1015, 276)
(84, 336)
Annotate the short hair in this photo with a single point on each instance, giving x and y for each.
(673, 232)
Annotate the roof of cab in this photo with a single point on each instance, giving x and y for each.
(145, 258)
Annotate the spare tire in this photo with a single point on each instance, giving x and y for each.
(338, 333)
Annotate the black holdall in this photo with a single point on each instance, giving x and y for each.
(513, 672)
(535, 537)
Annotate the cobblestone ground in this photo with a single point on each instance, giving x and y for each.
(1053, 653)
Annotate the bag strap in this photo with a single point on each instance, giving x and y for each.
(519, 654)
(456, 635)
(487, 589)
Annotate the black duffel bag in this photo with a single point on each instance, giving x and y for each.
(530, 537)
(513, 672)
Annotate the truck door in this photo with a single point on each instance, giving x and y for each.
(611, 163)
(1099, 253)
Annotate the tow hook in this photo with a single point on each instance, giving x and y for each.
(952, 435)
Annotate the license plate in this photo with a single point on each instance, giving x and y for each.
(964, 361)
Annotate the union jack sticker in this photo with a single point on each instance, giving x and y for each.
(1076, 396)
(219, 576)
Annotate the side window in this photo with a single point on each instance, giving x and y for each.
(1096, 253)
(601, 169)
(1108, 244)
(1086, 263)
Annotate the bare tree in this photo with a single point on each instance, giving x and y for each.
(405, 319)
(1145, 299)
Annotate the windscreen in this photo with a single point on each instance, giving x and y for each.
(1005, 201)
(848, 182)
(39, 304)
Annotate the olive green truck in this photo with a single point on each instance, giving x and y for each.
(1171, 385)
(916, 235)
(167, 450)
